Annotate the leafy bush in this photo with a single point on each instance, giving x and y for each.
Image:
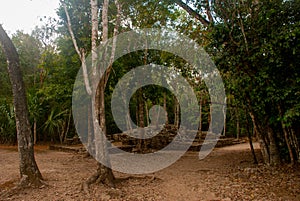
(8, 131)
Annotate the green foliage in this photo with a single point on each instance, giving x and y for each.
(7, 123)
(54, 123)
(29, 49)
(256, 47)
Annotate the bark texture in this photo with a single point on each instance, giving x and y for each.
(29, 172)
(267, 142)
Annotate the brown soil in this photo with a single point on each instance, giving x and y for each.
(226, 174)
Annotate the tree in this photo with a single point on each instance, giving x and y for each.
(29, 172)
(29, 49)
(103, 174)
(255, 47)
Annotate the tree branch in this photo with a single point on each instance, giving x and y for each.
(188, 9)
(81, 53)
(116, 31)
(208, 12)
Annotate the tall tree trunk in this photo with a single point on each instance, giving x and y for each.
(29, 172)
(104, 173)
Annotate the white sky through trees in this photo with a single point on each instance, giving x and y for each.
(25, 14)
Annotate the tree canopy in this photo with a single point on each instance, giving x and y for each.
(254, 44)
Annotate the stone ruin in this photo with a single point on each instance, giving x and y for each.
(156, 138)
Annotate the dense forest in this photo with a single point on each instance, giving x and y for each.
(254, 45)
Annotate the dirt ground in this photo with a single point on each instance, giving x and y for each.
(226, 174)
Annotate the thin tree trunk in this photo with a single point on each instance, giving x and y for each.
(210, 122)
(157, 117)
(250, 140)
(252, 147)
(62, 133)
(147, 113)
(224, 115)
(288, 143)
(34, 131)
(295, 144)
(81, 53)
(127, 118)
(176, 113)
(29, 172)
(262, 143)
(237, 125)
(140, 120)
(165, 108)
(200, 120)
(286, 136)
(90, 140)
(68, 125)
(137, 113)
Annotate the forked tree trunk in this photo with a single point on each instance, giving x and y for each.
(104, 173)
(29, 172)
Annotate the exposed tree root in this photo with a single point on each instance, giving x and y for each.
(103, 175)
(36, 182)
(24, 183)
